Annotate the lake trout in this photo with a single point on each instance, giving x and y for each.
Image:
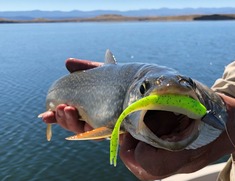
(101, 95)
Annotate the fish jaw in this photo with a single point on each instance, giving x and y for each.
(179, 140)
(164, 128)
(170, 130)
(193, 133)
(149, 127)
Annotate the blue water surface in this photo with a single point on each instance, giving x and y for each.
(32, 56)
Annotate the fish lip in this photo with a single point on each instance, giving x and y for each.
(190, 93)
(175, 90)
(172, 141)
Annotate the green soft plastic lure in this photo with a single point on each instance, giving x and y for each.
(169, 102)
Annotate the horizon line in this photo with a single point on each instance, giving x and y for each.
(120, 10)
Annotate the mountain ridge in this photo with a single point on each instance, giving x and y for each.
(35, 14)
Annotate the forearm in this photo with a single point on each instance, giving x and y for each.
(226, 85)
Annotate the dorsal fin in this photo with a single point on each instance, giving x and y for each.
(109, 57)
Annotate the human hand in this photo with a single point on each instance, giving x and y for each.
(143, 160)
(149, 163)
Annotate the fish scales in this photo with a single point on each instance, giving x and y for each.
(101, 94)
(98, 93)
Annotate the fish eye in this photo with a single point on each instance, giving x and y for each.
(191, 82)
(144, 87)
(185, 81)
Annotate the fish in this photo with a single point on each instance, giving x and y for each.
(102, 94)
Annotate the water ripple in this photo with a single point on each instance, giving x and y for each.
(33, 58)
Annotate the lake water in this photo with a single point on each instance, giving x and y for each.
(32, 56)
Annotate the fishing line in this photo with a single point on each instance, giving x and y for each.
(229, 137)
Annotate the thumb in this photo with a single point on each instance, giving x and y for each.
(73, 64)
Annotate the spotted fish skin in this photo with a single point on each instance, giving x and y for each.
(98, 93)
(101, 94)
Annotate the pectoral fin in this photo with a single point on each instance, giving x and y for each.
(98, 133)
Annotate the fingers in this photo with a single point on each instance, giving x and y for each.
(149, 163)
(67, 117)
(48, 117)
(72, 120)
(127, 154)
(159, 162)
(60, 116)
(73, 64)
(87, 127)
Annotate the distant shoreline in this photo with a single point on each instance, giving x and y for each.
(120, 18)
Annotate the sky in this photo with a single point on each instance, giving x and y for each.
(122, 5)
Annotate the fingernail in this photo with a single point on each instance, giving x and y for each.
(60, 113)
(40, 115)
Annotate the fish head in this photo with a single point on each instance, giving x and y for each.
(162, 127)
(159, 80)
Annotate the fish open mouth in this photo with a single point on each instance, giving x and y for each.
(169, 126)
(166, 121)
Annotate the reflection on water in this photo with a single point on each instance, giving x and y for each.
(32, 57)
